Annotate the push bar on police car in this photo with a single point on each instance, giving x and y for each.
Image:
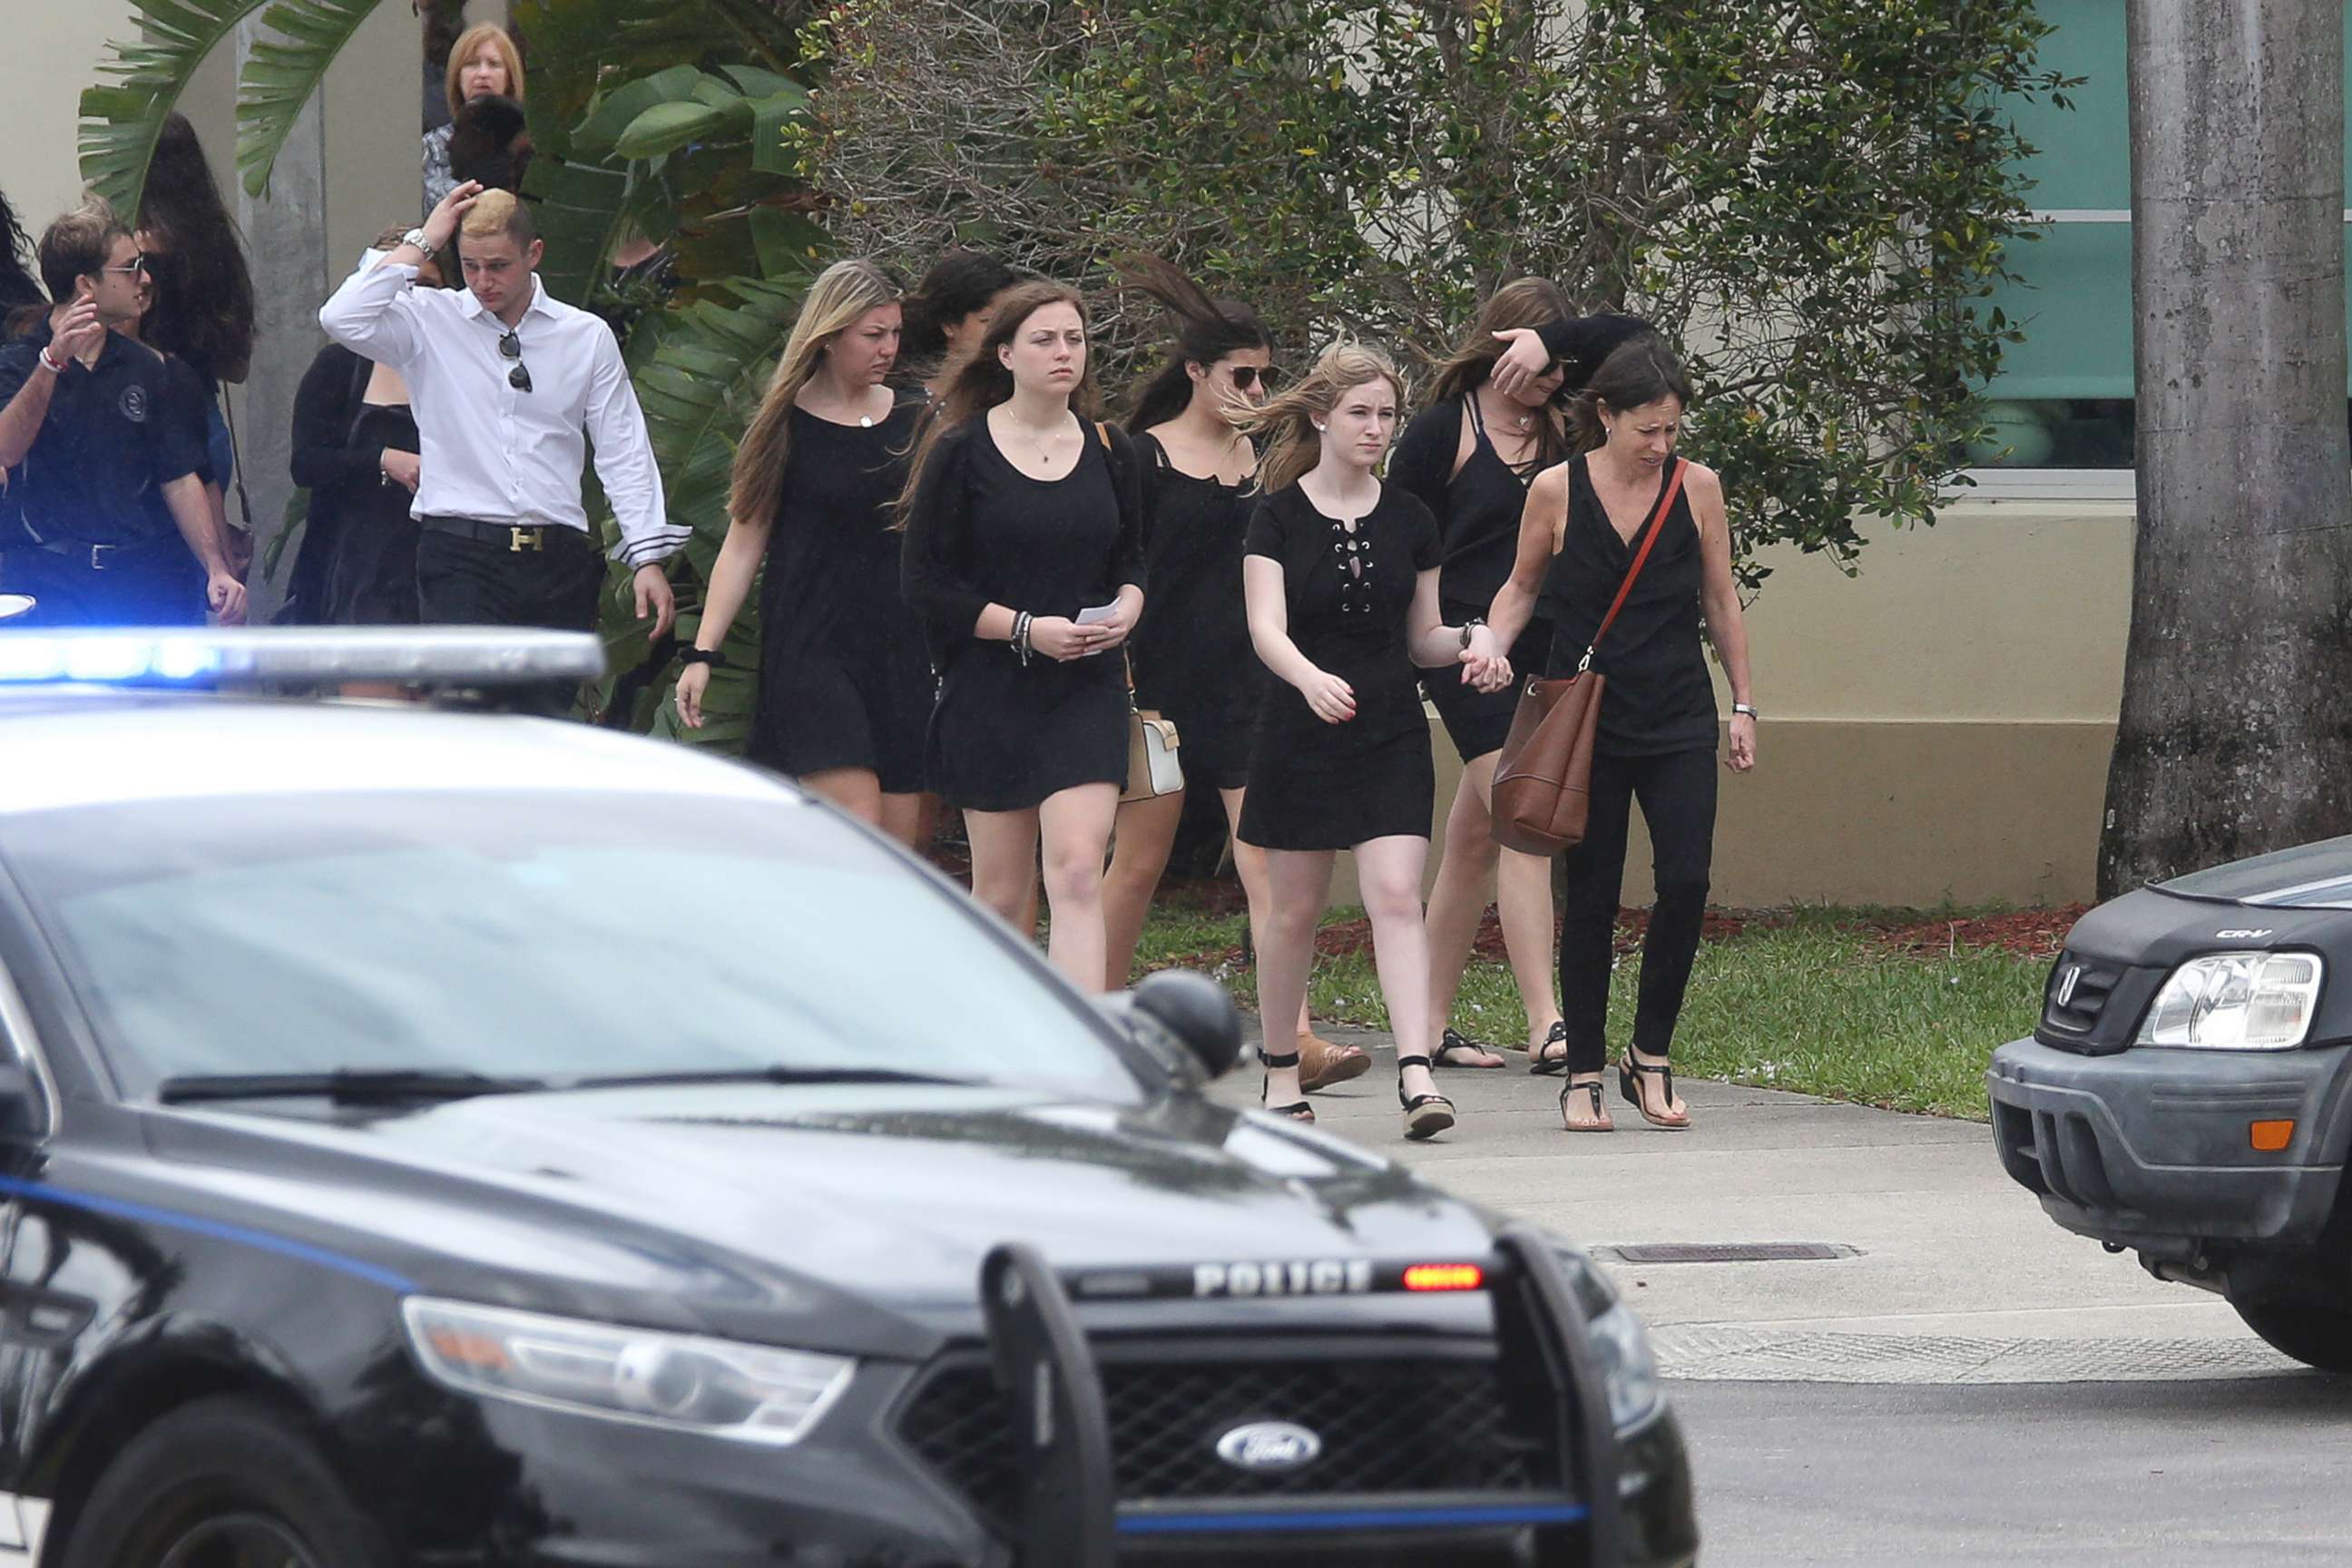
(197, 658)
(1070, 1515)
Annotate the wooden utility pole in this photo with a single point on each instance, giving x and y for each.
(2236, 735)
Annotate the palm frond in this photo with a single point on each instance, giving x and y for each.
(282, 73)
(145, 78)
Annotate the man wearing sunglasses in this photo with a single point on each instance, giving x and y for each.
(509, 386)
(104, 519)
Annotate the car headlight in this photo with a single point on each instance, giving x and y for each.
(2236, 1002)
(748, 1393)
(1629, 1367)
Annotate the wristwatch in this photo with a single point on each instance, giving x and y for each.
(1747, 708)
(416, 237)
(1468, 627)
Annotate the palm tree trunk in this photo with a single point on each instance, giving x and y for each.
(2236, 732)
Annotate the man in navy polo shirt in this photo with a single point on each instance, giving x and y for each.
(114, 527)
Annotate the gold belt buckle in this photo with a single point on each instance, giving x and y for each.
(522, 538)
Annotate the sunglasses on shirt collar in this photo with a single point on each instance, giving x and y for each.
(510, 347)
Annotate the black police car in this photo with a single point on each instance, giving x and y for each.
(2184, 1095)
(443, 1138)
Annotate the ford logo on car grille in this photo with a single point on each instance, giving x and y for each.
(1269, 1448)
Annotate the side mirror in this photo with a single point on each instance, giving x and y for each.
(1198, 1012)
(14, 604)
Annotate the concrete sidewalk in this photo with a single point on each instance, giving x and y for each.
(1955, 1275)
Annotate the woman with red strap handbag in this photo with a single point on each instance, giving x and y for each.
(1627, 549)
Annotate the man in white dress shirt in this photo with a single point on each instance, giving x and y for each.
(506, 383)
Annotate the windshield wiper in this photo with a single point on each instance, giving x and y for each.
(778, 1073)
(350, 1086)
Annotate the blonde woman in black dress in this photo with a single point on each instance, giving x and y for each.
(1191, 654)
(844, 691)
(1024, 554)
(1342, 582)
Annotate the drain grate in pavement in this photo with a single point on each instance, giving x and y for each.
(1701, 1352)
(1725, 1252)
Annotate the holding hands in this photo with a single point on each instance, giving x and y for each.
(1483, 665)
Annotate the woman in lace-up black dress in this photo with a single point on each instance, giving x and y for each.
(1191, 654)
(1341, 578)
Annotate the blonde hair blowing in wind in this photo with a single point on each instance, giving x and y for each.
(1285, 422)
(842, 293)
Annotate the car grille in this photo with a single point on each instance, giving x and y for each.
(2077, 994)
(1408, 1423)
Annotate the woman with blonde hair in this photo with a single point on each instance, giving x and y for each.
(484, 63)
(1469, 456)
(844, 691)
(1341, 582)
(1024, 552)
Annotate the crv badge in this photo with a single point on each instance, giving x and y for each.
(2242, 935)
(1269, 1448)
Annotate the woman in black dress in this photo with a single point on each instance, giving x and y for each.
(1468, 456)
(1341, 581)
(949, 313)
(1024, 552)
(844, 691)
(1586, 521)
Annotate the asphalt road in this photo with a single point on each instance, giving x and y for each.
(2148, 1474)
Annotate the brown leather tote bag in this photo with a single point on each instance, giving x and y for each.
(1543, 779)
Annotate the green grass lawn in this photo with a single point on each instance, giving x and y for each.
(1818, 1001)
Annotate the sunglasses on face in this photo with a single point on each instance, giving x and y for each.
(137, 269)
(1247, 375)
(510, 347)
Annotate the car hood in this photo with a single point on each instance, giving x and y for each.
(734, 1208)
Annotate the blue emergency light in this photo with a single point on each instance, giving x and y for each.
(416, 655)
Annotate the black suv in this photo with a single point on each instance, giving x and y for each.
(442, 1138)
(2184, 1094)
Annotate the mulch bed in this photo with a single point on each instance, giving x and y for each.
(2030, 933)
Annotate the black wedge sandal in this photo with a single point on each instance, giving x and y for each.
(1426, 1115)
(1541, 1061)
(1628, 1069)
(1300, 1110)
(1599, 1122)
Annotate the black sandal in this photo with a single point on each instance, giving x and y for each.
(1298, 1112)
(1423, 1116)
(1627, 1070)
(1454, 1040)
(1540, 1061)
(1599, 1122)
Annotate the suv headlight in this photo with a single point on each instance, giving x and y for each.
(748, 1393)
(1629, 1367)
(2236, 1002)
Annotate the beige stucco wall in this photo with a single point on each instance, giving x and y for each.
(372, 100)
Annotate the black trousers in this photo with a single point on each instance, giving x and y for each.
(160, 585)
(468, 582)
(1677, 793)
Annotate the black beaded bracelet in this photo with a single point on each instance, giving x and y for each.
(716, 661)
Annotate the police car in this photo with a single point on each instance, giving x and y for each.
(430, 1136)
(2187, 1094)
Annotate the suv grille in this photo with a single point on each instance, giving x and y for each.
(2076, 995)
(1410, 1424)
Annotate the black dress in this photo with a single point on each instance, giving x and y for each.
(843, 680)
(371, 576)
(1348, 593)
(1191, 652)
(1005, 735)
(1659, 697)
(1478, 510)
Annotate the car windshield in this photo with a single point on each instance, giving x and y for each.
(549, 936)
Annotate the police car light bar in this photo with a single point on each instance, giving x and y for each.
(426, 655)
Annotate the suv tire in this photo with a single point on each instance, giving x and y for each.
(219, 1480)
(2317, 1333)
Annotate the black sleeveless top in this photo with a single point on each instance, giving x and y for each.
(1659, 697)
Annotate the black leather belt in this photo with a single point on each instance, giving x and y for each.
(516, 538)
(102, 557)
